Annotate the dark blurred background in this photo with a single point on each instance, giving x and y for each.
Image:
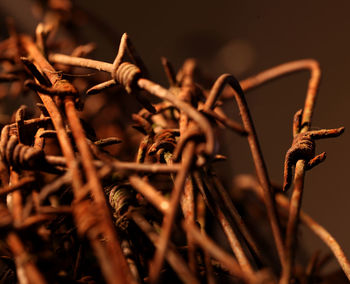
(244, 38)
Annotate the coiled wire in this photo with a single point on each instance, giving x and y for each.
(15, 154)
(127, 74)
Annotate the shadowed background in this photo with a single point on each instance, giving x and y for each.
(244, 38)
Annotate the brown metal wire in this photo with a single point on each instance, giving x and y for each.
(61, 184)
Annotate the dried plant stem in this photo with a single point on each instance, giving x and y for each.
(117, 263)
(259, 163)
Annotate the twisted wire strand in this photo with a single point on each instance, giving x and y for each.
(127, 74)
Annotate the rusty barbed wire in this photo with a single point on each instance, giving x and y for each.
(73, 211)
(303, 148)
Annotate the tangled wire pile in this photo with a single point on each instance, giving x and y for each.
(76, 208)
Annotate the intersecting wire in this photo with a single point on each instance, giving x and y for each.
(286, 253)
(248, 182)
(186, 94)
(296, 199)
(111, 258)
(259, 163)
(163, 205)
(187, 152)
(187, 157)
(145, 84)
(156, 90)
